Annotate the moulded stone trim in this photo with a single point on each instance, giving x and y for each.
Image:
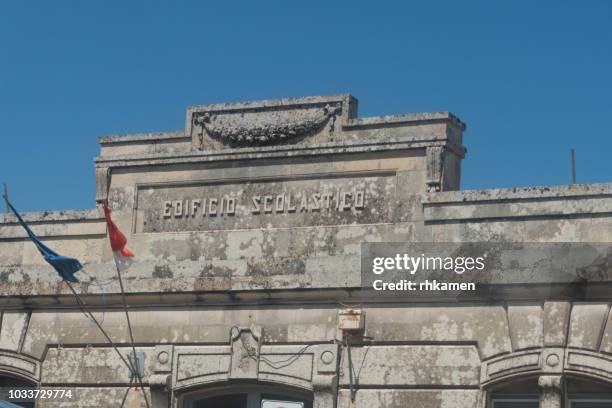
(285, 381)
(163, 358)
(510, 365)
(553, 360)
(547, 362)
(20, 366)
(418, 365)
(326, 358)
(287, 365)
(202, 365)
(290, 365)
(589, 363)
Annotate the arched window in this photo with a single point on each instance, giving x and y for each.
(587, 394)
(8, 383)
(577, 393)
(517, 394)
(248, 396)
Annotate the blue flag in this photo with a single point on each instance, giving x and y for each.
(64, 265)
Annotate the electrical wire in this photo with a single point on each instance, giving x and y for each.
(94, 281)
(133, 370)
(127, 391)
(354, 376)
(277, 365)
(289, 361)
(88, 313)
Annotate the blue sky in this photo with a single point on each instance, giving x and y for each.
(531, 78)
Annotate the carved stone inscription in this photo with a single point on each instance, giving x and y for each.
(265, 204)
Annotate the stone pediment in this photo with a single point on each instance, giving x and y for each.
(270, 122)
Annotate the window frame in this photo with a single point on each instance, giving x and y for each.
(573, 398)
(504, 397)
(254, 394)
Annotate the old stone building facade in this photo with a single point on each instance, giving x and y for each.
(247, 228)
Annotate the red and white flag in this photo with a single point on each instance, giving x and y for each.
(118, 241)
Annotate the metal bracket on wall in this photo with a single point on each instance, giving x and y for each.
(138, 363)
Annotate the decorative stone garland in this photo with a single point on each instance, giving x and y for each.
(238, 136)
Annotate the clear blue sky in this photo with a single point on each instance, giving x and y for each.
(530, 78)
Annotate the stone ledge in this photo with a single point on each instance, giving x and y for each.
(53, 216)
(73, 223)
(520, 193)
(411, 118)
(55, 295)
(268, 152)
(529, 202)
(270, 103)
(373, 121)
(142, 137)
(69, 229)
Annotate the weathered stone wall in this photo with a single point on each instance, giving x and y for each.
(280, 276)
(436, 350)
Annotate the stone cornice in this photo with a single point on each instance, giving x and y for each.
(357, 123)
(53, 216)
(410, 119)
(57, 224)
(265, 104)
(550, 202)
(61, 299)
(278, 151)
(520, 193)
(142, 137)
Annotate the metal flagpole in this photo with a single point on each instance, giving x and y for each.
(125, 306)
(130, 366)
(51, 258)
(6, 206)
(127, 316)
